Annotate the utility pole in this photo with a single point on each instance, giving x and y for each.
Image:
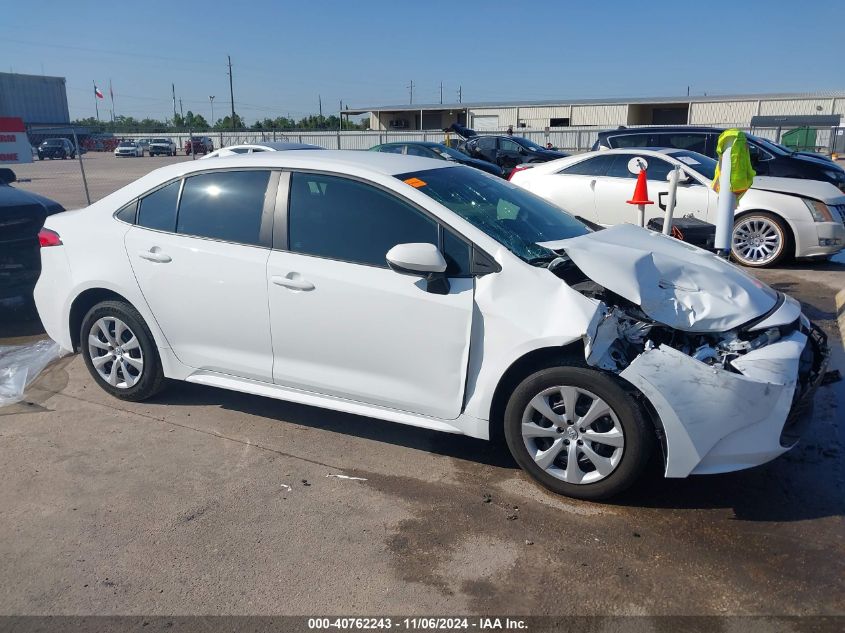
(231, 91)
(320, 102)
(173, 92)
(340, 115)
(460, 94)
(211, 99)
(411, 87)
(441, 92)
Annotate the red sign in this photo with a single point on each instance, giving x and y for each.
(14, 144)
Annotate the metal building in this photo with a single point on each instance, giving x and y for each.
(36, 99)
(716, 110)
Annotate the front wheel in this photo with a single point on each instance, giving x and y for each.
(120, 352)
(759, 240)
(577, 432)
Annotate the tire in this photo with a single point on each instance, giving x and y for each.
(622, 439)
(129, 382)
(760, 239)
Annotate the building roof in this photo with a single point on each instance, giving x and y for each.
(832, 94)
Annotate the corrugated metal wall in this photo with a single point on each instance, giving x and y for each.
(722, 113)
(35, 99)
(610, 114)
(796, 106)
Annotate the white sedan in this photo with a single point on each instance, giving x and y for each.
(775, 219)
(256, 148)
(129, 148)
(432, 294)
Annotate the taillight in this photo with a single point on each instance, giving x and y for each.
(518, 168)
(46, 238)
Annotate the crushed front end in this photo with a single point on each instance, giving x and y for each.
(724, 398)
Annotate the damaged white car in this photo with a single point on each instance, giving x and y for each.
(431, 294)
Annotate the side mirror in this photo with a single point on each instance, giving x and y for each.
(420, 260)
(7, 176)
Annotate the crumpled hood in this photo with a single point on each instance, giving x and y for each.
(674, 283)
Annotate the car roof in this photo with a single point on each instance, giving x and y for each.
(328, 160)
(660, 128)
(275, 145)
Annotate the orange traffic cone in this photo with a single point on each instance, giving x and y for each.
(641, 190)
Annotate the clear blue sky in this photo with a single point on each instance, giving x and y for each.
(286, 53)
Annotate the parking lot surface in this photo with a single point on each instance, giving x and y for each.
(214, 502)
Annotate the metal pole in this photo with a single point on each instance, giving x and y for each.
(211, 99)
(674, 177)
(81, 166)
(96, 105)
(726, 204)
(231, 92)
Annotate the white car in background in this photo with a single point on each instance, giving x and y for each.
(128, 148)
(775, 219)
(255, 148)
(432, 294)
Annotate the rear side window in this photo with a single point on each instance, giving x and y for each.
(158, 210)
(486, 142)
(691, 142)
(596, 166)
(224, 205)
(340, 218)
(629, 140)
(657, 168)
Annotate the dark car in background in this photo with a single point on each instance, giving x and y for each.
(508, 151)
(439, 151)
(22, 215)
(767, 158)
(56, 148)
(199, 145)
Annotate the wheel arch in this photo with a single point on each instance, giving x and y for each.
(542, 358)
(83, 302)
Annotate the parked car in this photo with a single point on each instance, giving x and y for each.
(508, 151)
(435, 295)
(143, 143)
(264, 146)
(162, 147)
(775, 219)
(21, 216)
(56, 148)
(767, 158)
(438, 151)
(199, 145)
(128, 148)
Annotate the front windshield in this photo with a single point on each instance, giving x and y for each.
(159, 140)
(526, 143)
(699, 163)
(509, 214)
(769, 145)
(127, 144)
(54, 141)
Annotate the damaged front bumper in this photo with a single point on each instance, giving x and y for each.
(715, 420)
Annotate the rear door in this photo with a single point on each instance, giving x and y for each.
(343, 323)
(509, 154)
(199, 251)
(573, 187)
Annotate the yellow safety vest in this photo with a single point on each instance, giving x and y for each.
(742, 174)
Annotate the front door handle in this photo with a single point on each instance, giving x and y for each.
(154, 256)
(293, 281)
(660, 201)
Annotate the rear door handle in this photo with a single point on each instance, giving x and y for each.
(154, 256)
(292, 281)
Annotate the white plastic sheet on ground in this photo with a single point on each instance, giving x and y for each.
(21, 364)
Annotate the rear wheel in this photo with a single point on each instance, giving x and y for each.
(759, 240)
(577, 432)
(120, 352)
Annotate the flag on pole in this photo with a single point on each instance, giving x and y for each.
(111, 92)
(98, 93)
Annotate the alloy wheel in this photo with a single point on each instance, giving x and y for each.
(572, 434)
(115, 352)
(757, 240)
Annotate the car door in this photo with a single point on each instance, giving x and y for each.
(199, 252)
(509, 155)
(573, 187)
(484, 148)
(343, 323)
(617, 187)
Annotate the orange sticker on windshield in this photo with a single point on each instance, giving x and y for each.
(415, 182)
